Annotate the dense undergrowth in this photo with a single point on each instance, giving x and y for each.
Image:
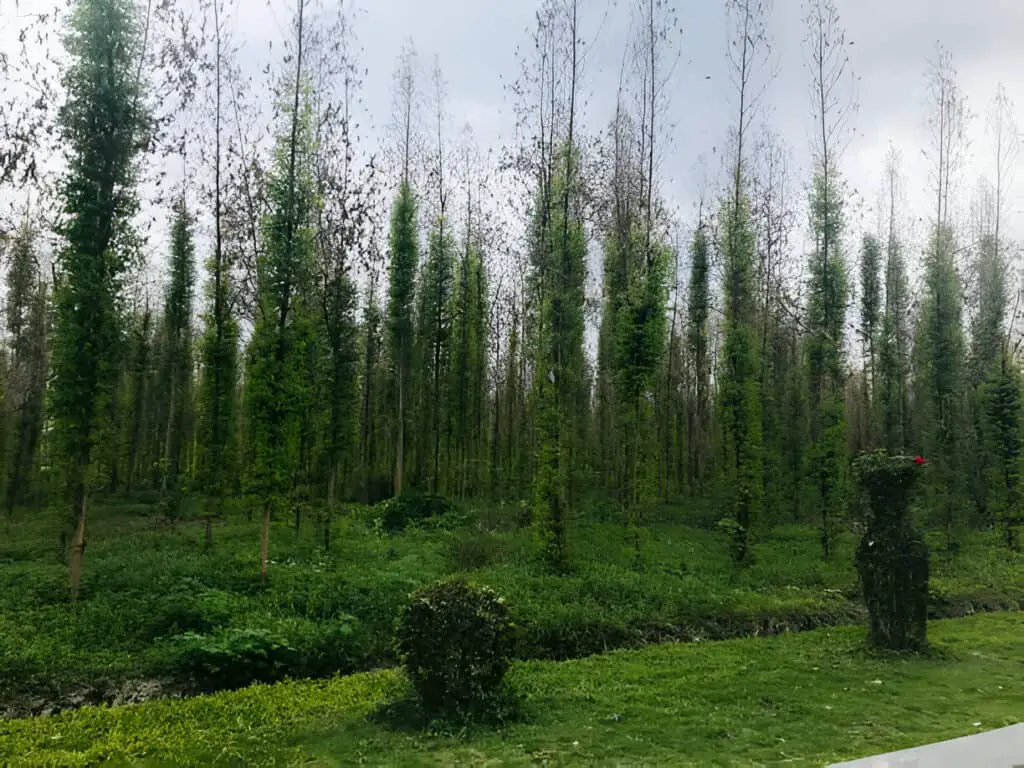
(161, 613)
(746, 702)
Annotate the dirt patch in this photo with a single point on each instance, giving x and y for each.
(42, 704)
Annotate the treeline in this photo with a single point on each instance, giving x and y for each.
(310, 348)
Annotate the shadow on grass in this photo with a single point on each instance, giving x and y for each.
(936, 653)
(408, 715)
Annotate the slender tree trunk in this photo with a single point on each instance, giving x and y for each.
(264, 542)
(400, 448)
(168, 431)
(78, 543)
(332, 479)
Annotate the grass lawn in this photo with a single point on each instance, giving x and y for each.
(800, 699)
(144, 584)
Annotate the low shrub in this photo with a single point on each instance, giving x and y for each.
(190, 607)
(233, 658)
(475, 548)
(395, 514)
(324, 648)
(286, 647)
(737, 536)
(456, 643)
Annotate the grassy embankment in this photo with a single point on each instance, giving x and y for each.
(146, 585)
(798, 699)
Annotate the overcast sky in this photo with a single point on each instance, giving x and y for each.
(892, 42)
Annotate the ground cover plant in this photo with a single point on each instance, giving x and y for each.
(162, 612)
(736, 703)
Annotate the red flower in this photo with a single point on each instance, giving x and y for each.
(919, 460)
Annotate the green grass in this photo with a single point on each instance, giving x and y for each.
(143, 584)
(798, 699)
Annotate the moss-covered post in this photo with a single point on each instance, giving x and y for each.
(892, 558)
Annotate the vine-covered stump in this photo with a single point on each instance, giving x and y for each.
(892, 559)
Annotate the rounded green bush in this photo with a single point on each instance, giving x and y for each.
(456, 642)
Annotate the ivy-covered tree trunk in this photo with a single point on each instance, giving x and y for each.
(434, 340)
(344, 222)
(699, 447)
(870, 330)
(371, 426)
(826, 314)
(560, 274)
(102, 124)
(640, 344)
(469, 371)
(739, 389)
(177, 364)
(827, 287)
(402, 271)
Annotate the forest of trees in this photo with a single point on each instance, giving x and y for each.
(341, 323)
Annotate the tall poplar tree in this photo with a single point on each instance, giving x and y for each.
(828, 288)
(403, 261)
(940, 353)
(870, 330)
(26, 321)
(739, 395)
(698, 347)
(995, 373)
(177, 364)
(279, 375)
(557, 277)
(468, 390)
(472, 340)
(344, 219)
(404, 251)
(102, 124)
(218, 345)
(894, 341)
(558, 363)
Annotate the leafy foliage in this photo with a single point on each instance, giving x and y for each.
(234, 658)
